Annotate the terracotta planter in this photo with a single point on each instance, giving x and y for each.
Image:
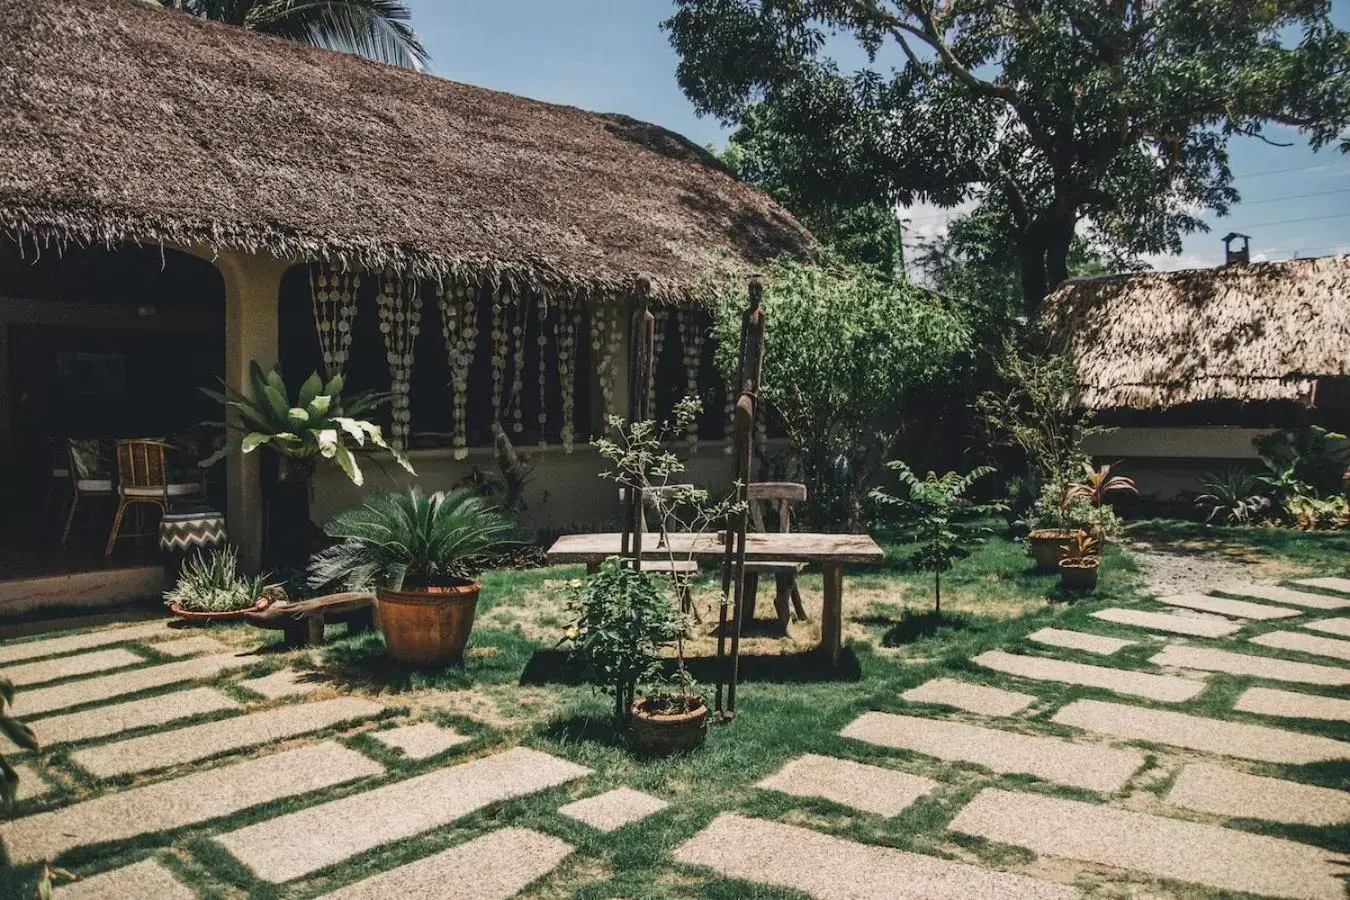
(1078, 576)
(658, 733)
(1047, 547)
(204, 618)
(427, 627)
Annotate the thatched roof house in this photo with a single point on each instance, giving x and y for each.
(122, 121)
(1247, 333)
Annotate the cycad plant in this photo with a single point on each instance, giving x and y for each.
(375, 29)
(941, 518)
(1233, 496)
(408, 541)
(309, 429)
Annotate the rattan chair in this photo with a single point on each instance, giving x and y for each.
(143, 477)
(87, 470)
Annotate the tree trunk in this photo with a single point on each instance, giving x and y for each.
(1034, 276)
(937, 591)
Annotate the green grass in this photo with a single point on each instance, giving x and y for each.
(516, 688)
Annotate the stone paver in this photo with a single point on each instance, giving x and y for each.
(1237, 795)
(1289, 596)
(1164, 726)
(614, 809)
(145, 880)
(873, 789)
(1211, 660)
(1292, 705)
(283, 683)
(30, 783)
(1104, 769)
(106, 687)
(1210, 855)
(1339, 626)
(1331, 584)
(70, 643)
(1164, 688)
(71, 666)
(302, 842)
(1238, 609)
(1079, 640)
(178, 802)
(184, 745)
(107, 720)
(194, 645)
(1305, 643)
(833, 868)
(1173, 623)
(502, 863)
(976, 698)
(421, 740)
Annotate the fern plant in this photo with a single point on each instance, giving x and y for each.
(320, 424)
(408, 541)
(940, 516)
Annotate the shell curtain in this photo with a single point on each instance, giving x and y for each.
(552, 328)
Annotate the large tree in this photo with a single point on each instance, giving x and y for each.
(1054, 114)
(375, 29)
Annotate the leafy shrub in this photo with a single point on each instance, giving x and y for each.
(211, 583)
(408, 540)
(622, 620)
(845, 350)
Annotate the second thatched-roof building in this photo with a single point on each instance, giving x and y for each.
(1193, 365)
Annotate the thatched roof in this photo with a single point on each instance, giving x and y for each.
(1265, 331)
(122, 121)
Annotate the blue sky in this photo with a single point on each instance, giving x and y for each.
(610, 56)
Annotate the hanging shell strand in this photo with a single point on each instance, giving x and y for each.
(501, 311)
(543, 311)
(566, 325)
(459, 332)
(333, 299)
(691, 338)
(518, 366)
(400, 310)
(658, 344)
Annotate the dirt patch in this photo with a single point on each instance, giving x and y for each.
(1203, 564)
(540, 615)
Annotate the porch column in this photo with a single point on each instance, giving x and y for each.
(252, 285)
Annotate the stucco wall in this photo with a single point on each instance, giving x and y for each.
(1167, 461)
(564, 490)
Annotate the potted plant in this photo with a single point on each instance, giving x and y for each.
(623, 621)
(418, 552)
(1082, 560)
(1054, 524)
(210, 588)
(319, 424)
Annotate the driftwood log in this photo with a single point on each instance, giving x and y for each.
(304, 620)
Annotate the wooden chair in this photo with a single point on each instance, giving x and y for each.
(784, 494)
(143, 477)
(88, 470)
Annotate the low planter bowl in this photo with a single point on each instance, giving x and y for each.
(1080, 577)
(204, 618)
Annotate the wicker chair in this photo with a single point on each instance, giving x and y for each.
(87, 470)
(144, 477)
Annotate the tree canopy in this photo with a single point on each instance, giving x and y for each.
(1109, 118)
(375, 29)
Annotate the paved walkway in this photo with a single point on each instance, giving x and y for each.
(1104, 752)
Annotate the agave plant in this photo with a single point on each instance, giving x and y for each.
(321, 423)
(211, 583)
(1232, 495)
(405, 541)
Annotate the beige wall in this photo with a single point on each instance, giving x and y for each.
(564, 490)
(1167, 461)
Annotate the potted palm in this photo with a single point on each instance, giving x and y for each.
(320, 423)
(418, 552)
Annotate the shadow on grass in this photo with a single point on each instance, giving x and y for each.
(586, 729)
(553, 667)
(912, 626)
(364, 665)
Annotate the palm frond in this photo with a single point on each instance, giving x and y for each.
(375, 29)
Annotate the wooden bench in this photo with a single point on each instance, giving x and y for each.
(304, 620)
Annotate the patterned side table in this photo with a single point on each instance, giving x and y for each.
(186, 532)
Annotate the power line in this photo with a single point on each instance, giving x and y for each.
(1254, 225)
(1282, 171)
(1293, 197)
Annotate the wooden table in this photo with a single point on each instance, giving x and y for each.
(830, 551)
